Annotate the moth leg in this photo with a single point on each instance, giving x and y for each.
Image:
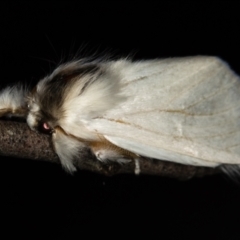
(105, 155)
(67, 148)
(13, 102)
(106, 151)
(137, 169)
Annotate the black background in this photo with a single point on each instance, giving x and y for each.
(39, 199)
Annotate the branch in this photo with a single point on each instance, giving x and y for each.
(17, 140)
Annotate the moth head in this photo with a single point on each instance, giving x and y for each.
(37, 119)
(46, 102)
(74, 92)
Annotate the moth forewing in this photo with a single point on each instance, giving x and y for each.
(183, 109)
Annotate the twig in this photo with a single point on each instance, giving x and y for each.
(17, 140)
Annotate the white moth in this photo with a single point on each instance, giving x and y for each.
(184, 110)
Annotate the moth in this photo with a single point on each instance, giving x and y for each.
(184, 110)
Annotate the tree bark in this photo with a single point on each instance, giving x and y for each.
(17, 140)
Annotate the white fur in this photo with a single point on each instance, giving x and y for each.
(13, 98)
(79, 109)
(67, 149)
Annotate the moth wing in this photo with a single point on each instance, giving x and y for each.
(184, 110)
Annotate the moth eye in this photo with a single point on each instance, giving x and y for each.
(45, 128)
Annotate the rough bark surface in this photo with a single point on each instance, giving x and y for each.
(17, 140)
